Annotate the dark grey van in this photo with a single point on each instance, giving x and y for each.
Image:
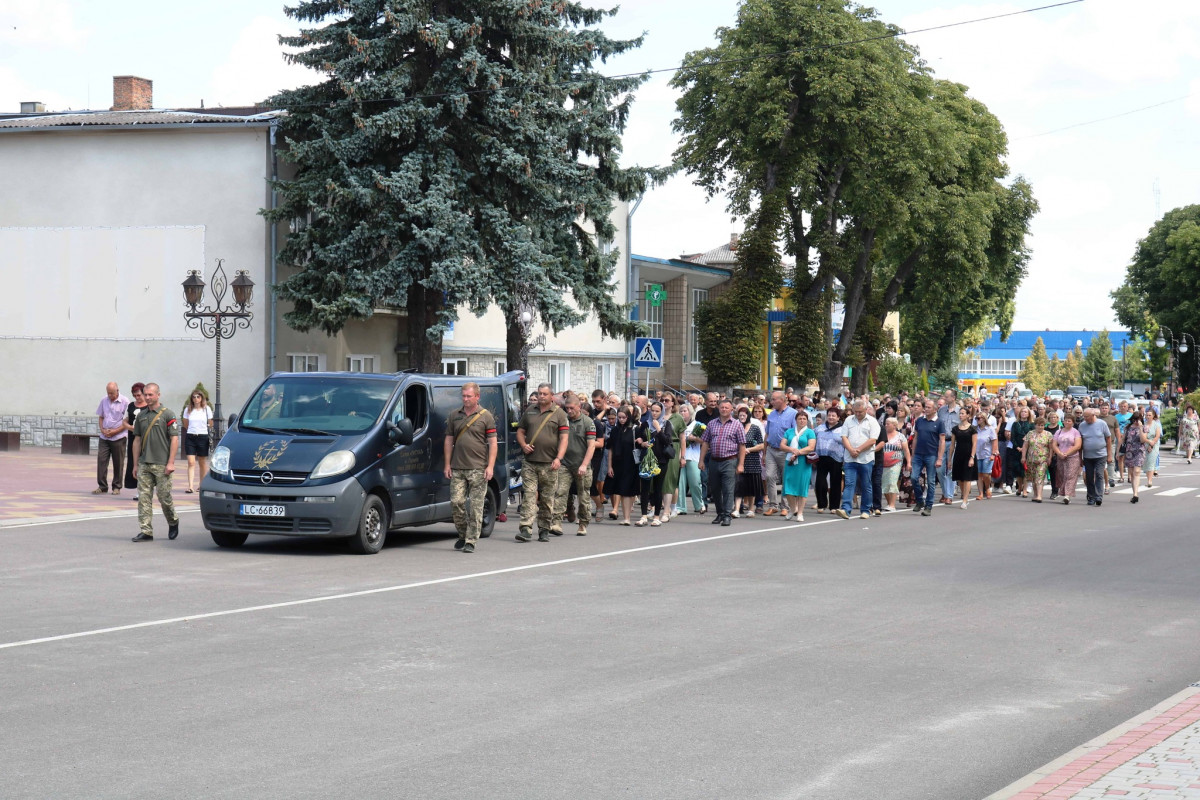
(349, 455)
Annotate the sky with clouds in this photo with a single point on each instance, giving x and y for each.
(1041, 74)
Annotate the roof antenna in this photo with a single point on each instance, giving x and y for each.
(201, 102)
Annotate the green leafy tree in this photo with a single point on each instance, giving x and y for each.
(1097, 370)
(452, 154)
(1036, 372)
(893, 375)
(924, 386)
(802, 347)
(1162, 282)
(1073, 367)
(729, 327)
(890, 178)
(945, 376)
(1058, 374)
(1145, 362)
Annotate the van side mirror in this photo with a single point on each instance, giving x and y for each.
(229, 423)
(400, 433)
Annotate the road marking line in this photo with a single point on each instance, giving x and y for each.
(1176, 491)
(401, 587)
(63, 520)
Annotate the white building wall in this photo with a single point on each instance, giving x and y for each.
(101, 227)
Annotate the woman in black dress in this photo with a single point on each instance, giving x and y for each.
(130, 415)
(623, 481)
(963, 469)
(654, 432)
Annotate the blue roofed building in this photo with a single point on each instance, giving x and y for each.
(994, 363)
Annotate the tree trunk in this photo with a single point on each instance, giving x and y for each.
(514, 340)
(424, 355)
(831, 380)
(858, 381)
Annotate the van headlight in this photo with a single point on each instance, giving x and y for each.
(335, 463)
(219, 463)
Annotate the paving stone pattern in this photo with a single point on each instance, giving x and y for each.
(37, 483)
(1157, 760)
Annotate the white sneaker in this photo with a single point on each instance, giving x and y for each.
(964, 504)
(748, 514)
(735, 515)
(1007, 490)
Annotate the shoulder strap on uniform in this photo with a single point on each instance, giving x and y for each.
(470, 422)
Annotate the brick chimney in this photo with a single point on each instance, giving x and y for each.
(131, 93)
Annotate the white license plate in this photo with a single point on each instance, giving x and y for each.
(261, 511)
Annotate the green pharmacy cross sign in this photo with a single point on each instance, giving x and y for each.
(655, 294)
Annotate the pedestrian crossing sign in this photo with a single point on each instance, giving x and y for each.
(647, 352)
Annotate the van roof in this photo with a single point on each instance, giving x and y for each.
(433, 378)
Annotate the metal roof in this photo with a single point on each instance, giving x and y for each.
(1061, 342)
(125, 119)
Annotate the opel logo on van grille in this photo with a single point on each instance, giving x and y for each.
(266, 477)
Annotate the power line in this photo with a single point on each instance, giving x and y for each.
(1106, 119)
(706, 65)
(832, 45)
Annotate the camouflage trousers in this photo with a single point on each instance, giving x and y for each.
(583, 491)
(540, 488)
(152, 477)
(468, 486)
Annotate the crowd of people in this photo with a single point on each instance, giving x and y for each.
(654, 457)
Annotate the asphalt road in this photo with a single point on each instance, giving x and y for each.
(902, 657)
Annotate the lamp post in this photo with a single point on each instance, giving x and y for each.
(216, 321)
(1184, 338)
(1182, 346)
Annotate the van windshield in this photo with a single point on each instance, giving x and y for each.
(311, 404)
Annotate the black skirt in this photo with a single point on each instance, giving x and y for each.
(749, 484)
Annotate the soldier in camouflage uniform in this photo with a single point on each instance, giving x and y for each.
(577, 466)
(470, 451)
(155, 442)
(542, 435)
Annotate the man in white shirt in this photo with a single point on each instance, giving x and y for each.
(860, 433)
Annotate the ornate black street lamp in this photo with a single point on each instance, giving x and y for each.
(216, 321)
(1176, 344)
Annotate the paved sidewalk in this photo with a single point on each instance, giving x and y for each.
(1154, 756)
(39, 484)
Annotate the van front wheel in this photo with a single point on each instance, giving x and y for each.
(490, 503)
(372, 528)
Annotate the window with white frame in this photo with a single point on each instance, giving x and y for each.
(698, 296)
(559, 375)
(305, 362)
(604, 377)
(454, 366)
(651, 315)
(360, 363)
(995, 366)
(500, 365)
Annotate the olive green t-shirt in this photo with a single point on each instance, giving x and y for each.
(545, 443)
(580, 434)
(156, 440)
(470, 450)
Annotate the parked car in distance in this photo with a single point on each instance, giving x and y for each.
(1117, 395)
(1024, 394)
(1055, 394)
(1077, 393)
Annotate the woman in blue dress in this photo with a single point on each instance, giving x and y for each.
(799, 443)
